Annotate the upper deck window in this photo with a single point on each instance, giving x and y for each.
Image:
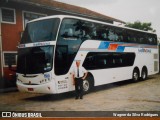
(28, 16)
(41, 31)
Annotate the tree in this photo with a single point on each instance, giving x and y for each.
(142, 26)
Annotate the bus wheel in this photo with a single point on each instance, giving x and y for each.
(144, 74)
(135, 75)
(88, 84)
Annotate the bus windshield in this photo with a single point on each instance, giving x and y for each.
(35, 60)
(41, 31)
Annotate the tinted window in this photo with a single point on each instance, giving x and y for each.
(40, 31)
(95, 31)
(99, 60)
(35, 60)
(28, 16)
(69, 40)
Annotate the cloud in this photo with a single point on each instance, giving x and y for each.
(88, 2)
(152, 10)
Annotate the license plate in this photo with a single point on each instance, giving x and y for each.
(30, 89)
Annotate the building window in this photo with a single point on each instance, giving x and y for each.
(10, 58)
(30, 16)
(8, 15)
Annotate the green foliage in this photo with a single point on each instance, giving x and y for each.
(141, 26)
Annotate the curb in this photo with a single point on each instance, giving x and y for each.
(5, 90)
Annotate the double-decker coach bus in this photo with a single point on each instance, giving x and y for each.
(50, 46)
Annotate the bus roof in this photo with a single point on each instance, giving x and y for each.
(91, 20)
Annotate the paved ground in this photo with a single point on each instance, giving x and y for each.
(123, 96)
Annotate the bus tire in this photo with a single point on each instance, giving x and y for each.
(144, 73)
(88, 84)
(135, 75)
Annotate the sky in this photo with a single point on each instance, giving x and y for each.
(125, 10)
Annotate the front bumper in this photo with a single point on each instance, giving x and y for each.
(42, 88)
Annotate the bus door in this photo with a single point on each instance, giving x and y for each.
(62, 77)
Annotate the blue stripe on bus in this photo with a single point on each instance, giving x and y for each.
(120, 49)
(103, 45)
(122, 45)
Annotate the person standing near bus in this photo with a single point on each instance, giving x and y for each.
(79, 74)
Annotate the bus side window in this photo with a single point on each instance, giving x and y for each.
(102, 63)
(100, 32)
(118, 62)
(90, 62)
(104, 36)
(85, 34)
(68, 32)
(153, 39)
(111, 35)
(94, 34)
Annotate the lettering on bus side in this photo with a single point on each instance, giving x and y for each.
(41, 44)
(62, 84)
(144, 50)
